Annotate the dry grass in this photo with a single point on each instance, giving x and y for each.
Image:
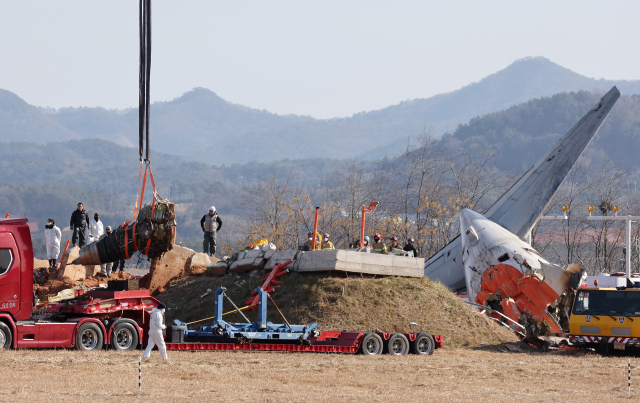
(386, 304)
(449, 375)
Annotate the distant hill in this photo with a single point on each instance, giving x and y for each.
(202, 126)
(521, 134)
(46, 180)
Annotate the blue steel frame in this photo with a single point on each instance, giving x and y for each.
(260, 330)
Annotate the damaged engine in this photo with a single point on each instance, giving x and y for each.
(152, 234)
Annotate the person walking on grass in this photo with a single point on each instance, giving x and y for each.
(156, 326)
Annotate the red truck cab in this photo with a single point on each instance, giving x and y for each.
(16, 269)
(95, 319)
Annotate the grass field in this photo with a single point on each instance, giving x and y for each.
(449, 375)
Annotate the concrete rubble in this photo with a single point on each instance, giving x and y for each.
(183, 262)
(73, 271)
(349, 261)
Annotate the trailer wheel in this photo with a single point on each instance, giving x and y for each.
(398, 344)
(89, 337)
(125, 337)
(371, 344)
(423, 344)
(5, 336)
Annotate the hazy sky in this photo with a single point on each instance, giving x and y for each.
(319, 58)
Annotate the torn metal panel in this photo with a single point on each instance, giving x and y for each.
(501, 269)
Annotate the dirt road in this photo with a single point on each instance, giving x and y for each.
(449, 375)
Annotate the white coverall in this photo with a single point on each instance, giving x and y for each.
(105, 268)
(52, 236)
(96, 230)
(155, 334)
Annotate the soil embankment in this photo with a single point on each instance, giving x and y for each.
(387, 304)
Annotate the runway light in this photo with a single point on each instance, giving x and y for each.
(615, 209)
(591, 209)
(565, 208)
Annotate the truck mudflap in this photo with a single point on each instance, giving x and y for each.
(439, 340)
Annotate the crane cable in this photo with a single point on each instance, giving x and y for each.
(144, 76)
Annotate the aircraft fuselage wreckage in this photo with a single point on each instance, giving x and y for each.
(491, 259)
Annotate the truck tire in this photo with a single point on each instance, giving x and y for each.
(6, 338)
(124, 337)
(371, 344)
(89, 337)
(398, 344)
(423, 344)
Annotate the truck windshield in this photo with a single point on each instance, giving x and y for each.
(603, 302)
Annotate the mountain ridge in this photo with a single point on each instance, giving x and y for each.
(201, 126)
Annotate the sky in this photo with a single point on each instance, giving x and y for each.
(318, 58)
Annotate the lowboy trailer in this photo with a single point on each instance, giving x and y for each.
(263, 335)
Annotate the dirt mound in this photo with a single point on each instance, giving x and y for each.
(387, 304)
(178, 263)
(50, 286)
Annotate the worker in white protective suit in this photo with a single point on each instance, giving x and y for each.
(155, 332)
(96, 228)
(52, 236)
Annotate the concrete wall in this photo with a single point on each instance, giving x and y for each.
(349, 261)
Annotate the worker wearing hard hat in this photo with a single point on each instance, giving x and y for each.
(211, 224)
(394, 243)
(378, 246)
(326, 243)
(156, 326)
(409, 247)
(309, 242)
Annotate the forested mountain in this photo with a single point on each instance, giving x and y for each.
(201, 126)
(521, 134)
(40, 181)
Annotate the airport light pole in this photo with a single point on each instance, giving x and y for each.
(628, 220)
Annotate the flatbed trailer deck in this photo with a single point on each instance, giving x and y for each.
(327, 342)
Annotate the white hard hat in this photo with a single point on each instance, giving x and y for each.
(212, 208)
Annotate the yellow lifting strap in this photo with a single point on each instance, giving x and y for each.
(200, 320)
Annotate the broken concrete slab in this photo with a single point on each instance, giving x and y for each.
(279, 257)
(37, 263)
(358, 262)
(253, 254)
(217, 269)
(77, 272)
(247, 264)
(74, 272)
(69, 256)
